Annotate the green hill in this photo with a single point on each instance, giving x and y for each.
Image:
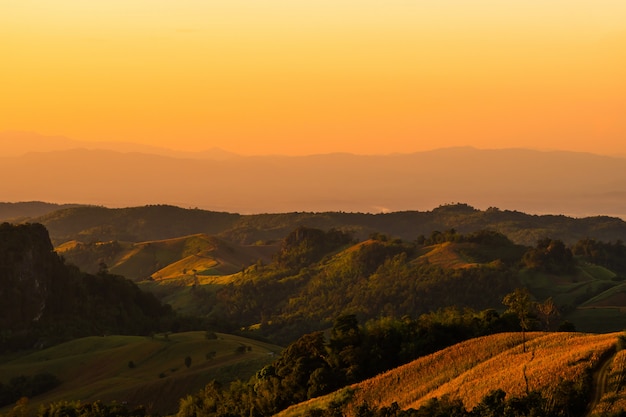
(187, 257)
(149, 371)
(309, 280)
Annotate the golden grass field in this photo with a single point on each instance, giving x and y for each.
(97, 368)
(472, 369)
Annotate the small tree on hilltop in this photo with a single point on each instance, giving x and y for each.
(518, 303)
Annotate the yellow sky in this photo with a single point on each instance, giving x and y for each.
(299, 77)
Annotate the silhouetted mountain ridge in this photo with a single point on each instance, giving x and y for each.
(577, 184)
(15, 212)
(140, 224)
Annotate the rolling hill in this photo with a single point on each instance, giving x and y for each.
(137, 370)
(249, 285)
(470, 370)
(189, 258)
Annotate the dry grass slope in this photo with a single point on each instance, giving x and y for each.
(446, 255)
(614, 399)
(472, 369)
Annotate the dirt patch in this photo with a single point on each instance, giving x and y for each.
(600, 383)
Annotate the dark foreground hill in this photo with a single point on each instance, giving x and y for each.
(43, 301)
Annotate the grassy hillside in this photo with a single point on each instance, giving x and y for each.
(187, 257)
(455, 255)
(472, 369)
(590, 296)
(99, 368)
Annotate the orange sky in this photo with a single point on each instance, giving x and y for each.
(300, 77)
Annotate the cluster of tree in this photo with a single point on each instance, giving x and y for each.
(26, 386)
(313, 365)
(611, 255)
(550, 256)
(305, 245)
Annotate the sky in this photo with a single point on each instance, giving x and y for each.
(303, 77)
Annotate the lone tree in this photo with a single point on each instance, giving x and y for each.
(518, 303)
(547, 310)
(188, 361)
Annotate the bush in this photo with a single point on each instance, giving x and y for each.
(25, 386)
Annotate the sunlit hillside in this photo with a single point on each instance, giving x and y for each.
(189, 257)
(472, 369)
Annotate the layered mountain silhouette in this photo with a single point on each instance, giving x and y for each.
(19, 143)
(576, 184)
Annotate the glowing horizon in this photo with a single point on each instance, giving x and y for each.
(330, 76)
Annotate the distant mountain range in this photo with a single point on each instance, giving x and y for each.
(20, 143)
(119, 175)
(89, 224)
